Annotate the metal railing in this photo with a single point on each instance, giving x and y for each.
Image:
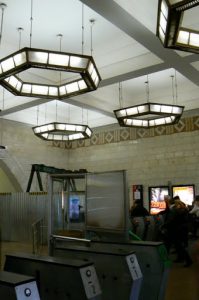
(38, 236)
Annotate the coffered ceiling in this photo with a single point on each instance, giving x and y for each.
(125, 49)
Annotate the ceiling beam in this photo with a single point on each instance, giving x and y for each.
(71, 101)
(134, 74)
(80, 103)
(115, 14)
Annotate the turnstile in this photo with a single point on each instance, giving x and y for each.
(138, 227)
(17, 287)
(154, 264)
(57, 278)
(150, 231)
(118, 269)
(152, 258)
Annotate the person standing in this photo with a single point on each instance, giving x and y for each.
(138, 210)
(180, 233)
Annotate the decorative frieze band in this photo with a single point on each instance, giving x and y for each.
(125, 134)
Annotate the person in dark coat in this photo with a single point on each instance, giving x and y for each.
(176, 226)
(138, 210)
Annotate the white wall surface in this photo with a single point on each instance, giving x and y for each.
(25, 149)
(148, 161)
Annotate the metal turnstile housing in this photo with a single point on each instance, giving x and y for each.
(16, 286)
(57, 278)
(118, 270)
(152, 258)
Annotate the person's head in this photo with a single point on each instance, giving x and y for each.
(179, 204)
(137, 203)
(176, 198)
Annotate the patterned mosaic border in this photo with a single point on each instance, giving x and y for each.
(126, 133)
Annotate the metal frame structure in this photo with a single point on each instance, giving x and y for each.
(169, 26)
(62, 131)
(26, 58)
(148, 115)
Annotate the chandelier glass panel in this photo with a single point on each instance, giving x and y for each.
(170, 29)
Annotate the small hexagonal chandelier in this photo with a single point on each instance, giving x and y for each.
(27, 58)
(62, 132)
(148, 115)
(169, 25)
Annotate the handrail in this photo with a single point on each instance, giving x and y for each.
(37, 236)
(70, 238)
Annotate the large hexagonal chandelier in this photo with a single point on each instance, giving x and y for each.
(26, 58)
(62, 132)
(169, 25)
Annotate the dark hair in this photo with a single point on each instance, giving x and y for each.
(138, 202)
(176, 198)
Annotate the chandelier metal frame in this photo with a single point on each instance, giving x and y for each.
(148, 115)
(63, 132)
(169, 26)
(27, 58)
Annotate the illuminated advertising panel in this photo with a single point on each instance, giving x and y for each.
(157, 198)
(185, 192)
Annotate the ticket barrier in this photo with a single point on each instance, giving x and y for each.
(152, 258)
(154, 264)
(138, 227)
(159, 222)
(57, 278)
(150, 229)
(147, 228)
(16, 286)
(118, 270)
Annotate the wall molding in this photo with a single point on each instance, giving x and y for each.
(120, 134)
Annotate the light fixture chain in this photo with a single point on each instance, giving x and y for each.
(3, 6)
(120, 95)
(37, 115)
(176, 87)
(92, 21)
(56, 111)
(173, 93)
(2, 118)
(60, 36)
(31, 21)
(45, 112)
(20, 29)
(68, 113)
(82, 28)
(147, 89)
(3, 102)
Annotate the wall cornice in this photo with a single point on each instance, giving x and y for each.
(120, 134)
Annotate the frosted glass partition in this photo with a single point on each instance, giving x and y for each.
(106, 201)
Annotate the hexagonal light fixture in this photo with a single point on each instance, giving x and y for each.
(148, 115)
(27, 58)
(63, 132)
(169, 25)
